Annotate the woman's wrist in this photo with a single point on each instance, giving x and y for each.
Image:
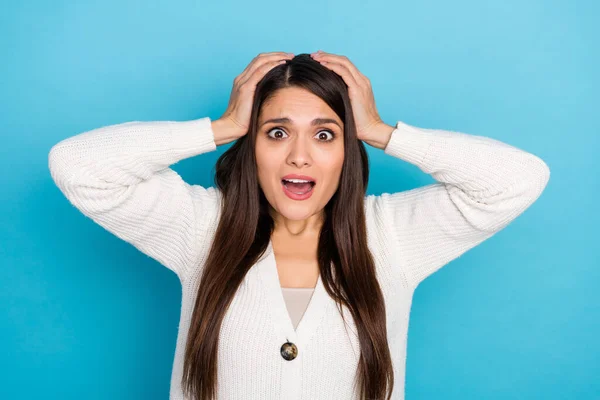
(225, 131)
(380, 136)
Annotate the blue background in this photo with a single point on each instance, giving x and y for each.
(85, 315)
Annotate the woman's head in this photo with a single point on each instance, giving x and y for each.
(298, 134)
(249, 178)
(303, 91)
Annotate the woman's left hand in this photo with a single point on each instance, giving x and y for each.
(369, 126)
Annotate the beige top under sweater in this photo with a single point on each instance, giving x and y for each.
(296, 301)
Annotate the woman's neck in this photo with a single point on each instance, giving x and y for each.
(296, 228)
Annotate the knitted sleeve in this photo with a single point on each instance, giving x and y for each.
(119, 176)
(482, 185)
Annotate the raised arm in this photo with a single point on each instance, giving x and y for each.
(483, 185)
(119, 176)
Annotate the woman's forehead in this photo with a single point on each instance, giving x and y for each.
(297, 107)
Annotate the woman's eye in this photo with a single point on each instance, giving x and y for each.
(278, 135)
(322, 135)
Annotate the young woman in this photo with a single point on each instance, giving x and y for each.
(296, 285)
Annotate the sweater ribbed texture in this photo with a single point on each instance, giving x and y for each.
(120, 177)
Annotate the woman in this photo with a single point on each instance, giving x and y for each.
(289, 216)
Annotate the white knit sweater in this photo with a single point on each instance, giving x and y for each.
(119, 176)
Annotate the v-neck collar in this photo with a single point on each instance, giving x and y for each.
(282, 322)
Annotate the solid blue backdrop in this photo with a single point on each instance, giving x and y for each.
(85, 315)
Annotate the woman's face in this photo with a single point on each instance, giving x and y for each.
(302, 145)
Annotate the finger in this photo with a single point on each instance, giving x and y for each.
(343, 60)
(261, 71)
(343, 71)
(260, 60)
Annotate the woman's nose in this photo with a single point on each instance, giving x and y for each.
(299, 154)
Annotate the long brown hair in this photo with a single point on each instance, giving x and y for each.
(245, 228)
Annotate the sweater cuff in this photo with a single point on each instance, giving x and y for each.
(193, 137)
(409, 143)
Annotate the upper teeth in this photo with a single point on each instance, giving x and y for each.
(296, 180)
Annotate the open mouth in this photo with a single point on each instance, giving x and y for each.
(298, 186)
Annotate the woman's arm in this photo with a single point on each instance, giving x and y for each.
(119, 176)
(483, 185)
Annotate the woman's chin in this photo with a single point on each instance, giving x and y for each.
(295, 213)
(295, 210)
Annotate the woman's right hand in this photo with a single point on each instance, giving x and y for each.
(235, 122)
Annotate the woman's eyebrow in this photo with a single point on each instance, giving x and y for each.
(316, 121)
